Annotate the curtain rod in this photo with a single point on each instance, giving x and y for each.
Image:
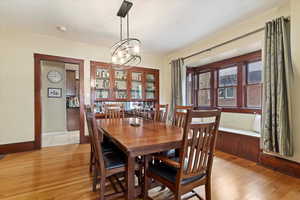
(227, 42)
(224, 43)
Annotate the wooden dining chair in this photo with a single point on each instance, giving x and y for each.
(109, 166)
(114, 111)
(194, 166)
(161, 113)
(178, 120)
(179, 115)
(106, 146)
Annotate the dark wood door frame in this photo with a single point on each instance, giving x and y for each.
(37, 94)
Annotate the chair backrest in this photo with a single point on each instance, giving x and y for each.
(179, 115)
(114, 111)
(161, 113)
(96, 143)
(198, 145)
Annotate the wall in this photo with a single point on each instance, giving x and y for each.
(295, 41)
(17, 76)
(246, 45)
(53, 109)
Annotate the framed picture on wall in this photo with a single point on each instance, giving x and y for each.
(54, 92)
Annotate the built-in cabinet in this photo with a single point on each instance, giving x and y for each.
(123, 84)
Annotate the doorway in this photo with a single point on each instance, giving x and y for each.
(59, 101)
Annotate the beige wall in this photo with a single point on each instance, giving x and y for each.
(53, 109)
(17, 76)
(295, 40)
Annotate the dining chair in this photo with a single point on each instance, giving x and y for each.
(179, 115)
(178, 120)
(109, 166)
(88, 111)
(194, 166)
(114, 111)
(105, 146)
(161, 113)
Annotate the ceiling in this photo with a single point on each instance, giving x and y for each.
(162, 25)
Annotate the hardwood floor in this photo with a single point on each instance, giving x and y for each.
(62, 173)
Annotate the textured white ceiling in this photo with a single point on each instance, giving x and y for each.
(161, 25)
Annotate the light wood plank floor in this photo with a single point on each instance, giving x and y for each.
(61, 173)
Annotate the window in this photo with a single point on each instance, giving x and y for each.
(227, 86)
(233, 84)
(189, 89)
(254, 84)
(204, 89)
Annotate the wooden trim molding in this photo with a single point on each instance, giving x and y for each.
(37, 94)
(279, 164)
(17, 147)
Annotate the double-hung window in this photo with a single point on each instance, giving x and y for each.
(234, 84)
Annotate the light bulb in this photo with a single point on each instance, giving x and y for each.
(136, 49)
(121, 60)
(120, 54)
(114, 59)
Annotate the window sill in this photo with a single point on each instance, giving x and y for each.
(234, 109)
(241, 110)
(240, 132)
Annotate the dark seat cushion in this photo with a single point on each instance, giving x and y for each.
(108, 147)
(114, 160)
(169, 173)
(170, 153)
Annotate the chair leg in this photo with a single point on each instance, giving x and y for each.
(91, 161)
(102, 188)
(95, 180)
(207, 190)
(177, 197)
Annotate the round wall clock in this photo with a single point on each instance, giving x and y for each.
(54, 76)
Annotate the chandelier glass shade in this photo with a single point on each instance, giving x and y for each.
(126, 51)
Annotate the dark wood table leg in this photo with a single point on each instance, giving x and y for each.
(130, 178)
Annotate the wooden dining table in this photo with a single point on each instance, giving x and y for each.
(147, 138)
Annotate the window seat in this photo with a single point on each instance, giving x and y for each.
(241, 132)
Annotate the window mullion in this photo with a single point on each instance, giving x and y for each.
(240, 85)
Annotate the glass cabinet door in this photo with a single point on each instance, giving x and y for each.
(150, 86)
(102, 84)
(136, 85)
(120, 84)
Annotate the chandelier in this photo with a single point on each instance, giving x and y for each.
(127, 50)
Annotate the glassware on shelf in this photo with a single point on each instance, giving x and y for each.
(102, 73)
(102, 84)
(102, 94)
(136, 76)
(121, 94)
(136, 85)
(150, 78)
(120, 75)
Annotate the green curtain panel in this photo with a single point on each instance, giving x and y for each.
(176, 84)
(277, 134)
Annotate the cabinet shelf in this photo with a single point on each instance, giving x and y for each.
(123, 85)
(101, 78)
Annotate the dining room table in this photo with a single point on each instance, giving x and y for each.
(139, 137)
